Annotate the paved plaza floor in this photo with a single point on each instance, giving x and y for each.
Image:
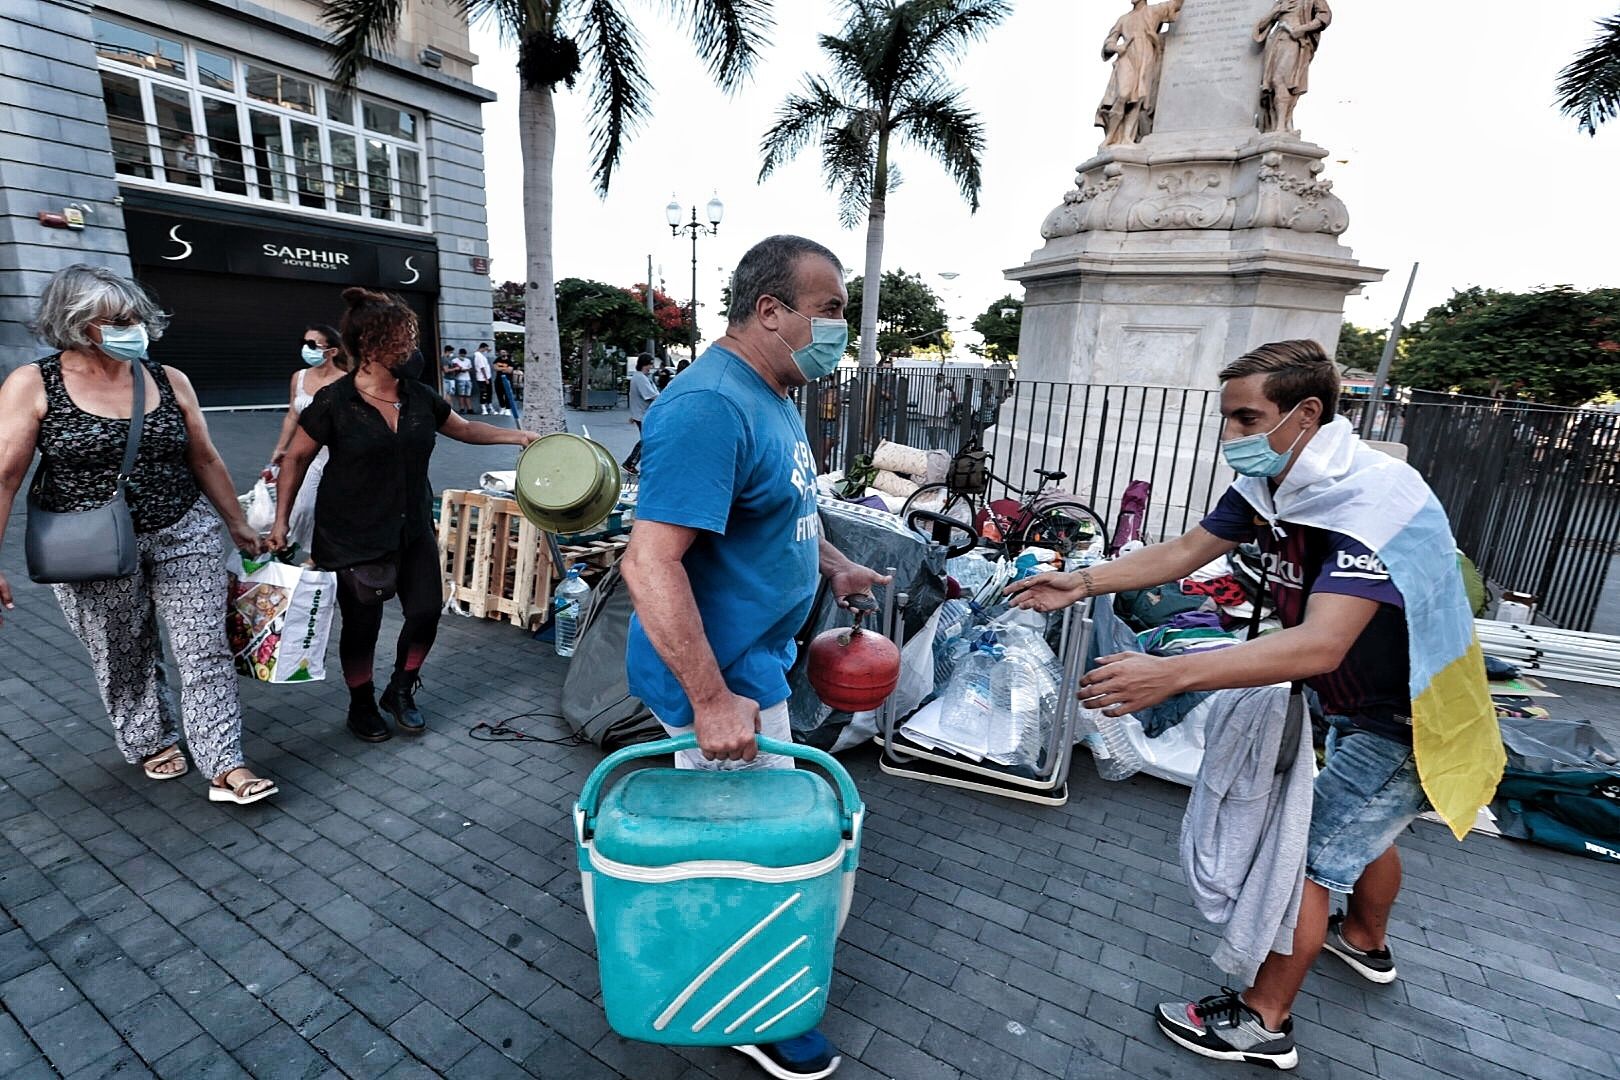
(412, 909)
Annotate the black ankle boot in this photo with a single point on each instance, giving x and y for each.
(365, 722)
(400, 701)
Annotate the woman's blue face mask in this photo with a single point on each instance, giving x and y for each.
(125, 342)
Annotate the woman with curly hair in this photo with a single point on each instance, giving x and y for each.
(373, 515)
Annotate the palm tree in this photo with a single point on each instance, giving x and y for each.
(557, 40)
(889, 70)
(1589, 87)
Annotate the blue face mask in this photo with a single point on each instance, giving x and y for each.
(1252, 455)
(312, 356)
(125, 342)
(828, 339)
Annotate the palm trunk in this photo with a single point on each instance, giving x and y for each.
(542, 352)
(872, 283)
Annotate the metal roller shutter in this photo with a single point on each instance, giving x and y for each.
(237, 338)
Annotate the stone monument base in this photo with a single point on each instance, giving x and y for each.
(1167, 261)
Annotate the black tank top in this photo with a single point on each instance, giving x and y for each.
(80, 454)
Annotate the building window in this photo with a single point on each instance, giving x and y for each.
(274, 88)
(184, 115)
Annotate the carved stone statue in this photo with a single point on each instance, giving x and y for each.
(1290, 33)
(1136, 45)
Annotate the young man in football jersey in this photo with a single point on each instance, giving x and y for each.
(1344, 634)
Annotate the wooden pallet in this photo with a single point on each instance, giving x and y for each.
(498, 565)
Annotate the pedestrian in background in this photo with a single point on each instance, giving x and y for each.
(504, 395)
(483, 377)
(374, 513)
(324, 363)
(464, 386)
(642, 394)
(447, 372)
(75, 408)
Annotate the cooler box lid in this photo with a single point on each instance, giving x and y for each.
(768, 817)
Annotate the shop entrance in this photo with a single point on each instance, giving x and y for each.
(237, 337)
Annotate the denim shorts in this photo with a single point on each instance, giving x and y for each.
(1365, 796)
(463, 386)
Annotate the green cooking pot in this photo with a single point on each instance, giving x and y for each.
(567, 483)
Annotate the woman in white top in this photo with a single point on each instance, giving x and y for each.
(325, 363)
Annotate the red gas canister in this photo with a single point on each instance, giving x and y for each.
(851, 669)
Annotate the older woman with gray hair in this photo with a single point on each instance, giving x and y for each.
(75, 407)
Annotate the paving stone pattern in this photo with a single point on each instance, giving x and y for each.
(412, 910)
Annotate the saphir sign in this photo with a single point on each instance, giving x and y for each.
(184, 243)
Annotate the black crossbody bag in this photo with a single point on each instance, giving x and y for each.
(88, 545)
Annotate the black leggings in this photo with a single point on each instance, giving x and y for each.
(421, 597)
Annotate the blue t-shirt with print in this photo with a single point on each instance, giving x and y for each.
(723, 453)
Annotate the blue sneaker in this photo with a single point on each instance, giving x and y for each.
(807, 1057)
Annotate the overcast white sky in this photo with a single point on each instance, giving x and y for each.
(1443, 144)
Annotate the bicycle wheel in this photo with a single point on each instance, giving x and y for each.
(1063, 527)
(938, 498)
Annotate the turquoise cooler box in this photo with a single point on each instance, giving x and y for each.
(717, 897)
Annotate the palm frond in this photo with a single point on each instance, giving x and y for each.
(358, 27)
(938, 30)
(620, 90)
(800, 118)
(940, 123)
(728, 35)
(849, 165)
(511, 17)
(1589, 86)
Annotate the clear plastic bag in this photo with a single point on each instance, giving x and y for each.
(260, 509)
(1002, 698)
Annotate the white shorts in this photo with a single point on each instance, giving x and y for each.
(773, 723)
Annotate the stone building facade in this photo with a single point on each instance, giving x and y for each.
(201, 146)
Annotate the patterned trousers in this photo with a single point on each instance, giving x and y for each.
(181, 576)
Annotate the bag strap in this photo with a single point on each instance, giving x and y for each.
(137, 420)
(1294, 723)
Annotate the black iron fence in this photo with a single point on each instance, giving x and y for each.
(1533, 492)
(1102, 437)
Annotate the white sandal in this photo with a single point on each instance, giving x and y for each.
(248, 791)
(164, 757)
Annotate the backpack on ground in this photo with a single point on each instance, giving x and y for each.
(596, 699)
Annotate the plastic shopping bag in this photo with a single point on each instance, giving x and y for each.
(278, 619)
(260, 506)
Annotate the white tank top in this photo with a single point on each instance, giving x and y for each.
(302, 397)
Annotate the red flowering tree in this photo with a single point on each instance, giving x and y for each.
(673, 326)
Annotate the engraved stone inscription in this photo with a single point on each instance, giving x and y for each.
(1211, 67)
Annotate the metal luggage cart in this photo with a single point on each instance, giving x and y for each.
(1049, 786)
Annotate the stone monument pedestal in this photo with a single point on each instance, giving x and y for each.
(1168, 260)
(1175, 254)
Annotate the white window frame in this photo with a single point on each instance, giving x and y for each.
(325, 126)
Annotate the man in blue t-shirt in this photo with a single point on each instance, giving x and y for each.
(726, 552)
(1344, 634)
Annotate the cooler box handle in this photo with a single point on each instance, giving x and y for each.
(848, 798)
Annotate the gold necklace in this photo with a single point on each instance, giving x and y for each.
(395, 402)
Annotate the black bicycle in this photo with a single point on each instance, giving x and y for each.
(959, 507)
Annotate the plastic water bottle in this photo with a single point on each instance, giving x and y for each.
(965, 720)
(573, 596)
(1116, 758)
(1021, 706)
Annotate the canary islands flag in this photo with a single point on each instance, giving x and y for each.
(1342, 485)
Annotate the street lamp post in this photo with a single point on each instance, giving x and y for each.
(672, 213)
